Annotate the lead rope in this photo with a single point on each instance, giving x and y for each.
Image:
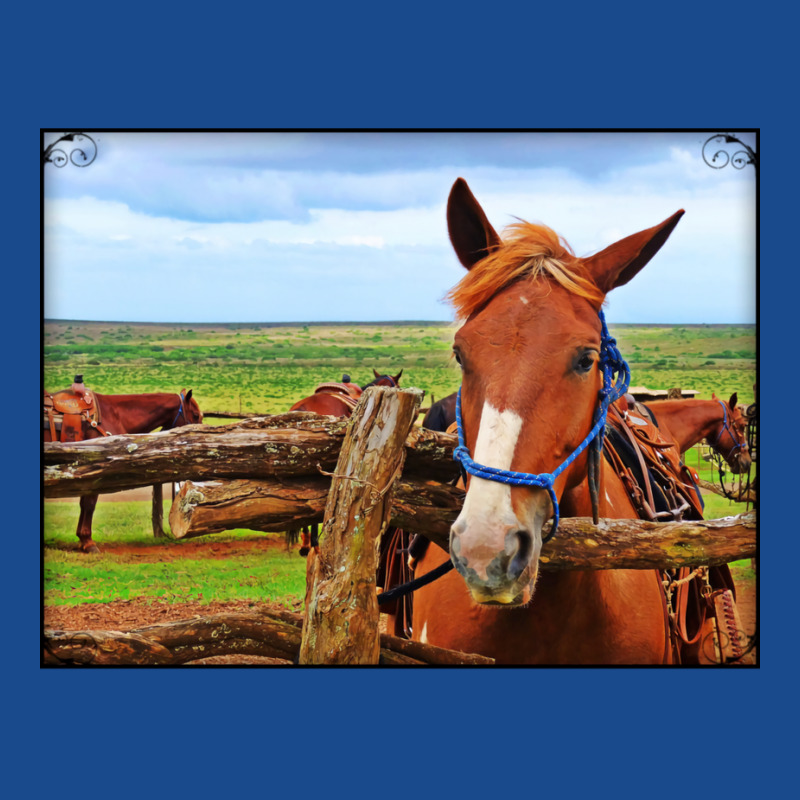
(412, 586)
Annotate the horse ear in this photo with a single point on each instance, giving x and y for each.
(375, 373)
(734, 399)
(713, 395)
(619, 262)
(471, 233)
(396, 378)
(188, 395)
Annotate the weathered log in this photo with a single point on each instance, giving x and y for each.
(394, 646)
(748, 496)
(292, 444)
(430, 508)
(271, 634)
(640, 544)
(229, 415)
(340, 625)
(278, 505)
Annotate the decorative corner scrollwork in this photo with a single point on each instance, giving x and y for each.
(720, 157)
(82, 152)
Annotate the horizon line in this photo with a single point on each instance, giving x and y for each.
(294, 323)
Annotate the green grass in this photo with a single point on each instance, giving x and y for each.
(128, 523)
(271, 574)
(264, 369)
(72, 579)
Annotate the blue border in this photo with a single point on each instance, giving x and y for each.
(370, 730)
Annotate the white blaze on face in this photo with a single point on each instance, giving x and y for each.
(487, 506)
(497, 439)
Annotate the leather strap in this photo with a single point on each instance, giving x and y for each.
(638, 450)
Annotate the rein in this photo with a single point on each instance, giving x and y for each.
(611, 363)
(417, 583)
(720, 459)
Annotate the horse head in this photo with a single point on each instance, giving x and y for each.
(530, 353)
(384, 380)
(188, 412)
(729, 437)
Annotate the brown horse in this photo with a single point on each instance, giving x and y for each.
(335, 400)
(131, 413)
(442, 414)
(722, 425)
(531, 349)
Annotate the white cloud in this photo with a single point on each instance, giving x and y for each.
(223, 216)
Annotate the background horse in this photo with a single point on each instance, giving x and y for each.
(533, 349)
(132, 413)
(335, 400)
(722, 425)
(442, 414)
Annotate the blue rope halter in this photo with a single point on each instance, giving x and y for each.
(180, 411)
(611, 363)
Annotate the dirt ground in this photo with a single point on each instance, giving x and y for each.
(124, 615)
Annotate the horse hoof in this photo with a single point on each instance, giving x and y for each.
(91, 549)
(304, 551)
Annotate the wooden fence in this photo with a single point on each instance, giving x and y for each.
(356, 476)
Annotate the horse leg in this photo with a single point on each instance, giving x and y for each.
(305, 541)
(88, 503)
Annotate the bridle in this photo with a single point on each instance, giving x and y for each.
(181, 410)
(612, 364)
(737, 443)
(392, 383)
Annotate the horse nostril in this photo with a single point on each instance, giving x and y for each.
(520, 546)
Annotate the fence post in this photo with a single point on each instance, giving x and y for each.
(340, 625)
(158, 511)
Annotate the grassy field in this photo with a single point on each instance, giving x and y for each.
(262, 368)
(136, 566)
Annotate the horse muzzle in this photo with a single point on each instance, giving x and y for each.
(741, 462)
(496, 576)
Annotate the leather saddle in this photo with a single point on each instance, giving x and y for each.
(663, 488)
(348, 393)
(66, 413)
(660, 485)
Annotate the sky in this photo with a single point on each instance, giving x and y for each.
(339, 226)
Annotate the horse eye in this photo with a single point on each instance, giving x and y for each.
(584, 362)
(457, 356)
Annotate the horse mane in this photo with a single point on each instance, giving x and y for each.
(528, 250)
